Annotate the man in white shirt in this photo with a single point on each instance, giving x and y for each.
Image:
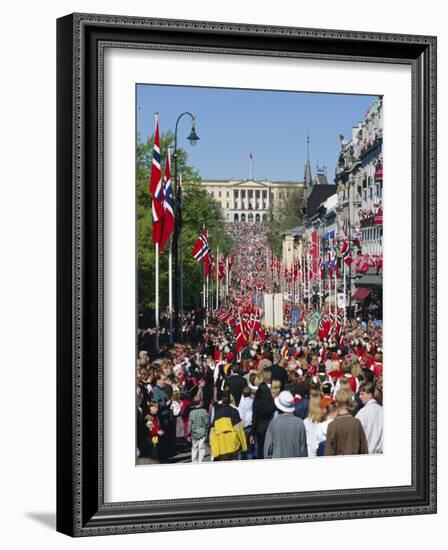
(371, 418)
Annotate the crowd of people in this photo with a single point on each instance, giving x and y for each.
(282, 394)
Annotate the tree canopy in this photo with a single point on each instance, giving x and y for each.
(198, 208)
(286, 214)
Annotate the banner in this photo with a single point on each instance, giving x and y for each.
(313, 325)
(273, 310)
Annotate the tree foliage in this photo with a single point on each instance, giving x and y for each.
(198, 208)
(285, 214)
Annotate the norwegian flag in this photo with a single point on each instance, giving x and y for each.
(363, 263)
(201, 249)
(378, 216)
(209, 266)
(379, 171)
(156, 187)
(222, 273)
(241, 339)
(324, 325)
(346, 252)
(320, 267)
(378, 263)
(168, 212)
(336, 325)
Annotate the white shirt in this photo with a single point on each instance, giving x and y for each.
(314, 435)
(245, 410)
(371, 418)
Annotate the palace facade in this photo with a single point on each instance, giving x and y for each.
(249, 200)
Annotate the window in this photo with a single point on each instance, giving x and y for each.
(227, 205)
(243, 217)
(265, 194)
(250, 194)
(243, 194)
(227, 195)
(257, 194)
(219, 194)
(236, 204)
(250, 217)
(235, 194)
(235, 218)
(257, 218)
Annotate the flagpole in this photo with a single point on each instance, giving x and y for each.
(227, 276)
(335, 289)
(170, 289)
(157, 296)
(207, 308)
(217, 277)
(345, 294)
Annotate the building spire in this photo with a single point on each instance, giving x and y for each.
(308, 178)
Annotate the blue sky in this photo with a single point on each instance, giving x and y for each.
(271, 125)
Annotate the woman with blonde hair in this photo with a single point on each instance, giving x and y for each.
(313, 422)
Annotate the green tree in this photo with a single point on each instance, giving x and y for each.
(198, 208)
(285, 214)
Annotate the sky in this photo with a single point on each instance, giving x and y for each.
(272, 125)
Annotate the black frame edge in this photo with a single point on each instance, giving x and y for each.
(64, 173)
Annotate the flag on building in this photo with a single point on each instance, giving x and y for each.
(156, 188)
(346, 252)
(201, 248)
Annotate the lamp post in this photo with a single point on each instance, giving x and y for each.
(177, 241)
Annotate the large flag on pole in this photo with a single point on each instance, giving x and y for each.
(156, 187)
(201, 249)
(345, 251)
(168, 211)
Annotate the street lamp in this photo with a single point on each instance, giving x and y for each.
(177, 241)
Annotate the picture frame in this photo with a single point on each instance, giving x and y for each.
(81, 507)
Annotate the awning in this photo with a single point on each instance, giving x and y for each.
(361, 294)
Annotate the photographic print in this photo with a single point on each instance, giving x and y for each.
(259, 274)
(223, 305)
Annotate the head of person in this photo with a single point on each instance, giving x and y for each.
(246, 391)
(226, 399)
(285, 402)
(197, 401)
(139, 375)
(153, 407)
(161, 379)
(267, 377)
(366, 392)
(235, 368)
(326, 388)
(275, 388)
(343, 400)
(315, 412)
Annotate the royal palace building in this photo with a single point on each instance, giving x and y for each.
(249, 200)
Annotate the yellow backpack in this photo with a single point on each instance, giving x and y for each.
(224, 438)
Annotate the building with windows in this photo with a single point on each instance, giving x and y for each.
(359, 177)
(249, 200)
